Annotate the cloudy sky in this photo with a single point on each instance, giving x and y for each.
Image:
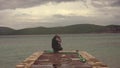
(20, 14)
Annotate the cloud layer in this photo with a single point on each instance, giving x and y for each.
(12, 4)
(32, 13)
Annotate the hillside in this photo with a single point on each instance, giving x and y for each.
(72, 29)
(6, 31)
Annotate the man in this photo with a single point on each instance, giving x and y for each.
(56, 43)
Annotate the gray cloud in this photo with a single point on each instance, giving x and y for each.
(105, 3)
(61, 20)
(107, 7)
(98, 3)
(67, 20)
(116, 3)
(105, 12)
(12, 4)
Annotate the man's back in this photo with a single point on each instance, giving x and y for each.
(56, 43)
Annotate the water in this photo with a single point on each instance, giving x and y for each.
(14, 49)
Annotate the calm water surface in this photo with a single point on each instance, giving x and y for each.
(14, 49)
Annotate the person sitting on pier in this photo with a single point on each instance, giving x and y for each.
(56, 43)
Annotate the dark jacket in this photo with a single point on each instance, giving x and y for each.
(56, 45)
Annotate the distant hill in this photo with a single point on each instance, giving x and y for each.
(113, 29)
(6, 31)
(72, 29)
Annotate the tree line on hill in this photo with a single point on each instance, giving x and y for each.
(71, 29)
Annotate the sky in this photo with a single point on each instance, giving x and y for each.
(19, 14)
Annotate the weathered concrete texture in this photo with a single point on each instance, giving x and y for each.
(29, 61)
(93, 61)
